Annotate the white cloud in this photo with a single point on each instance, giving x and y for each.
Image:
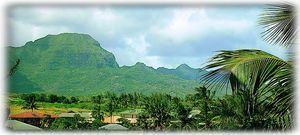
(188, 24)
(137, 34)
(135, 51)
(22, 32)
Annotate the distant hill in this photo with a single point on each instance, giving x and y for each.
(76, 64)
(184, 71)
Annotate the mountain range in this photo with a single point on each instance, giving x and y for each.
(76, 64)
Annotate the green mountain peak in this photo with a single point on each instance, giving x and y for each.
(70, 50)
(183, 66)
(76, 64)
(140, 64)
(65, 38)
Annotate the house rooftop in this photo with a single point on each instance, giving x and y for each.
(85, 115)
(115, 127)
(31, 115)
(20, 126)
(134, 111)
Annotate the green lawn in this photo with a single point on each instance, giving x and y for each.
(15, 105)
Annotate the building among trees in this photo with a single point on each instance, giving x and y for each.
(131, 115)
(21, 126)
(70, 114)
(32, 118)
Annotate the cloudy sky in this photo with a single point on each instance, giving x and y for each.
(155, 35)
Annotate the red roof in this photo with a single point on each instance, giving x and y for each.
(31, 115)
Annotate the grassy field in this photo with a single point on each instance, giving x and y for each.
(15, 105)
(14, 109)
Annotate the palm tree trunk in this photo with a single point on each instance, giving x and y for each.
(110, 118)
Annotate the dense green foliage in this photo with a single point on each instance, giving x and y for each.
(163, 112)
(73, 123)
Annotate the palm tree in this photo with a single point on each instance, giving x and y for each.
(228, 113)
(280, 28)
(259, 78)
(96, 112)
(205, 100)
(124, 100)
(110, 107)
(143, 121)
(97, 99)
(78, 121)
(158, 107)
(204, 95)
(30, 103)
(263, 81)
(186, 120)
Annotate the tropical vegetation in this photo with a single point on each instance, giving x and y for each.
(261, 88)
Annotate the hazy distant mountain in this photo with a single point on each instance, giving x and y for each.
(76, 64)
(184, 71)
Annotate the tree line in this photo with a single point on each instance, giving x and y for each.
(52, 98)
(162, 112)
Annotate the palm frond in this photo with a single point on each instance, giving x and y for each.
(261, 78)
(229, 68)
(279, 24)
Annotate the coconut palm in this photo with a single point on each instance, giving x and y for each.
(259, 78)
(111, 105)
(185, 118)
(96, 112)
(205, 95)
(279, 23)
(97, 99)
(30, 103)
(158, 107)
(228, 113)
(263, 81)
(143, 121)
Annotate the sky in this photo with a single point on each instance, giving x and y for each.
(159, 36)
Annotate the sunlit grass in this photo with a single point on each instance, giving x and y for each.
(15, 109)
(15, 105)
